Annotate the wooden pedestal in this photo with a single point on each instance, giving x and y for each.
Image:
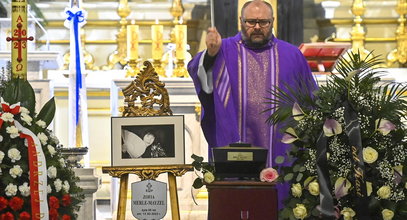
(242, 200)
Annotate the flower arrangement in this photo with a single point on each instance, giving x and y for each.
(204, 170)
(349, 145)
(21, 132)
(268, 175)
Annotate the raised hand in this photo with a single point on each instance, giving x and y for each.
(213, 41)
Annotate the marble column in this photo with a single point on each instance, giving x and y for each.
(90, 183)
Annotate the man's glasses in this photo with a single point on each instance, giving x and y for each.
(252, 22)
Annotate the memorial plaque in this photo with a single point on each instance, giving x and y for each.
(149, 199)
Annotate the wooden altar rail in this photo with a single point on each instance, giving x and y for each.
(148, 173)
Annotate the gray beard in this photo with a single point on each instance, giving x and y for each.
(248, 42)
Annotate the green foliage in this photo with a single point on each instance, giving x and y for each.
(201, 168)
(64, 183)
(358, 83)
(19, 90)
(47, 112)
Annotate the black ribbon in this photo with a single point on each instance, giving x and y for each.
(325, 192)
(352, 130)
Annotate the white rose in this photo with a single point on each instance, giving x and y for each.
(24, 189)
(14, 154)
(49, 189)
(58, 185)
(387, 214)
(52, 172)
(209, 177)
(1, 156)
(369, 155)
(43, 138)
(66, 186)
(24, 110)
(296, 190)
(300, 212)
(27, 118)
(54, 138)
(51, 150)
(13, 131)
(16, 171)
(41, 123)
(7, 116)
(384, 192)
(62, 162)
(1, 138)
(348, 213)
(313, 188)
(11, 190)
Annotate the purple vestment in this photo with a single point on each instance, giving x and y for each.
(242, 77)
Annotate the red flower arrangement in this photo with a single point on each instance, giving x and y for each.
(3, 203)
(66, 217)
(53, 214)
(53, 202)
(66, 200)
(25, 216)
(7, 216)
(16, 203)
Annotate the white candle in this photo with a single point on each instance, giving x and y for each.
(180, 40)
(157, 40)
(132, 41)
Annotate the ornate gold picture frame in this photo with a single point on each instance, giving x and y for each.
(150, 140)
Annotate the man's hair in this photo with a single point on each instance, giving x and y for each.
(249, 2)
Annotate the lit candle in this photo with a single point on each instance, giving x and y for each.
(157, 40)
(180, 40)
(132, 41)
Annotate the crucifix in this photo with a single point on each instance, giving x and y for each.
(19, 39)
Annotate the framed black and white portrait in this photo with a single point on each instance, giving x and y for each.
(150, 140)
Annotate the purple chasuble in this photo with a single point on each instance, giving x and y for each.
(242, 77)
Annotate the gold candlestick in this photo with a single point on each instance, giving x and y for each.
(119, 55)
(358, 33)
(399, 54)
(157, 47)
(132, 69)
(177, 10)
(180, 70)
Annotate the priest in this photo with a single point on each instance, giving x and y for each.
(233, 77)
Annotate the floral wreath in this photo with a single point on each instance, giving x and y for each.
(36, 182)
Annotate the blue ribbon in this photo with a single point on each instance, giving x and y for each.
(78, 17)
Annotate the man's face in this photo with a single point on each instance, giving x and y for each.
(256, 25)
(148, 139)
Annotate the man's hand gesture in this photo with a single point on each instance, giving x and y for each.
(213, 41)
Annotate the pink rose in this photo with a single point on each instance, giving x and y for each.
(268, 175)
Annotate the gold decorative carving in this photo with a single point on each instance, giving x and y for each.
(400, 53)
(176, 10)
(119, 55)
(358, 33)
(149, 91)
(148, 172)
